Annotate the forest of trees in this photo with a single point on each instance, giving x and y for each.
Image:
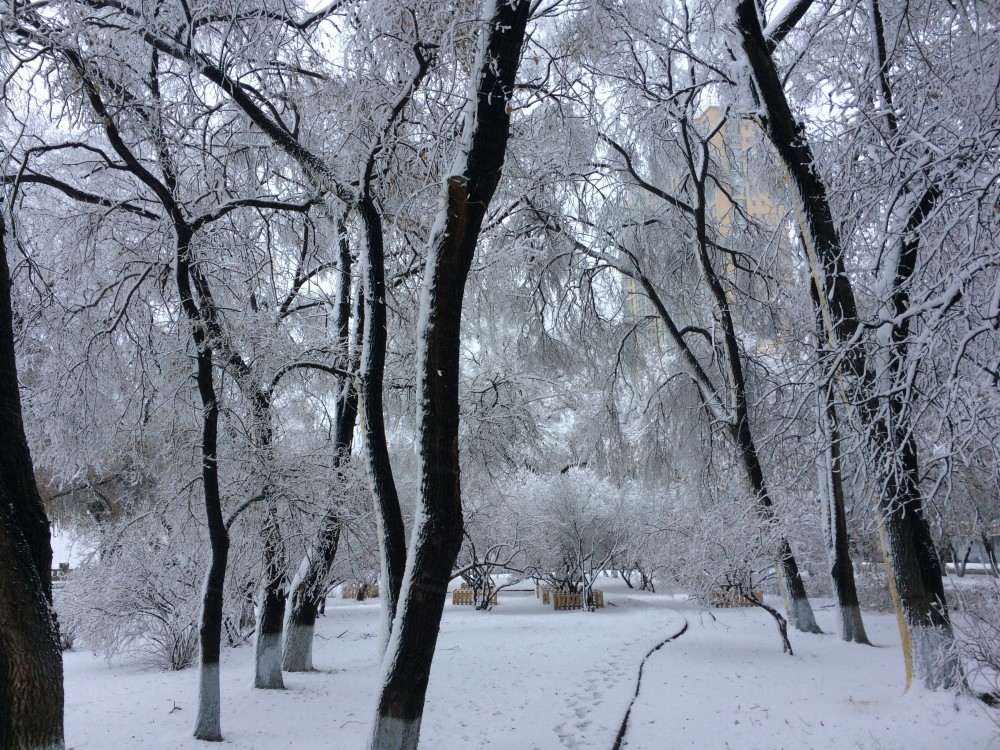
(386, 292)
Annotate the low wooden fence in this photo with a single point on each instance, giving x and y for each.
(563, 600)
(464, 596)
(350, 591)
(733, 598)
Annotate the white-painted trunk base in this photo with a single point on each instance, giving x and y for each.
(394, 734)
(935, 662)
(208, 724)
(851, 625)
(802, 616)
(268, 662)
(298, 648)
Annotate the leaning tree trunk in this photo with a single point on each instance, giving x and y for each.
(31, 687)
(307, 594)
(437, 532)
(308, 588)
(991, 555)
(800, 611)
(911, 558)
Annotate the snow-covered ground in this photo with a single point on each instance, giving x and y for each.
(523, 677)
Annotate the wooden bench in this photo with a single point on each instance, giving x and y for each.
(732, 598)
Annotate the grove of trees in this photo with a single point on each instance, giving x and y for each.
(384, 292)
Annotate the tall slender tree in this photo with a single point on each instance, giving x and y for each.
(437, 530)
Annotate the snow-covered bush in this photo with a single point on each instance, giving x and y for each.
(577, 526)
(139, 598)
(494, 553)
(977, 636)
(726, 548)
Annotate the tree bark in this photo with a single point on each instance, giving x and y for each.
(910, 554)
(437, 532)
(31, 686)
(270, 609)
(307, 595)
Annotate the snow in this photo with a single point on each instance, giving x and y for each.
(524, 677)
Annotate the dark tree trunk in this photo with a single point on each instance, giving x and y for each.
(31, 687)
(910, 554)
(388, 516)
(309, 592)
(786, 645)
(270, 610)
(962, 563)
(208, 721)
(991, 554)
(852, 627)
(308, 597)
(273, 595)
(437, 533)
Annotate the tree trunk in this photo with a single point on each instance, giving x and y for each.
(799, 609)
(991, 555)
(910, 554)
(437, 532)
(270, 610)
(786, 645)
(308, 588)
(307, 596)
(388, 516)
(852, 627)
(208, 724)
(962, 563)
(31, 687)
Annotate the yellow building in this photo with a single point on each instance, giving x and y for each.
(749, 197)
(741, 150)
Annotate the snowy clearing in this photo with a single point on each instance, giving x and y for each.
(524, 677)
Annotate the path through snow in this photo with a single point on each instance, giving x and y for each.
(523, 677)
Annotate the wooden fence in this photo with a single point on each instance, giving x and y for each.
(562, 600)
(733, 598)
(350, 591)
(464, 596)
